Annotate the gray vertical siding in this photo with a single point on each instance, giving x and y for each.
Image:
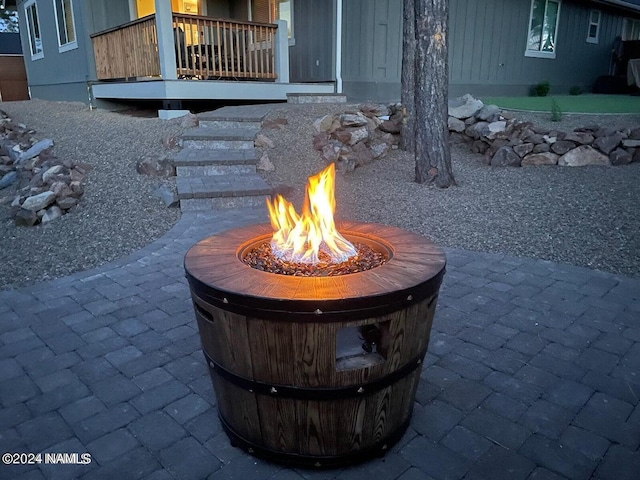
(487, 41)
(311, 58)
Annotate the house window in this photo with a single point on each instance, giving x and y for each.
(594, 26)
(630, 29)
(268, 11)
(64, 24)
(33, 30)
(543, 28)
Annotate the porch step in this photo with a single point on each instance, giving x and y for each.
(218, 138)
(316, 98)
(231, 123)
(222, 191)
(191, 162)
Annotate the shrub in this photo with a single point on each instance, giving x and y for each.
(541, 89)
(575, 90)
(556, 113)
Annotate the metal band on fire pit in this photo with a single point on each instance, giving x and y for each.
(305, 393)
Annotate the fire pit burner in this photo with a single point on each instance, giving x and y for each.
(315, 371)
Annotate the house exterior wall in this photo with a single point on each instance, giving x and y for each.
(487, 41)
(311, 59)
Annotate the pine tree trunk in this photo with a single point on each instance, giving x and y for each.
(408, 133)
(433, 157)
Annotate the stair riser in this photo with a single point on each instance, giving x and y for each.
(198, 171)
(191, 204)
(230, 124)
(218, 144)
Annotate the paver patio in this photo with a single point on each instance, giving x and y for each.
(533, 372)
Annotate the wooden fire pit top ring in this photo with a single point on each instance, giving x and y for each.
(413, 272)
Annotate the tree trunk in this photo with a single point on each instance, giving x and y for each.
(433, 157)
(408, 133)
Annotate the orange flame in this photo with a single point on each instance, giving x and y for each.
(300, 238)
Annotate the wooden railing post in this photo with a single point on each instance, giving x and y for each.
(166, 47)
(281, 52)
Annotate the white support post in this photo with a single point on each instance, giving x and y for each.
(166, 47)
(338, 46)
(281, 52)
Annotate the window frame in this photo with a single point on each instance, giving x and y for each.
(596, 38)
(630, 24)
(271, 6)
(32, 39)
(64, 47)
(540, 53)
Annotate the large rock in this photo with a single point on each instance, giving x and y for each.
(67, 203)
(523, 149)
(487, 112)
(390, 126)
(40, 201)
(505, 157)
(455, 125)
(491, 130)
(536, 159)
(541, 148)
(579, 138)
(8, 179)
(25, 218)
(634, 134)
(353, 120)
(379, 150)
(562, 146)
(167, 195)
(620, 157)
(51, 173)
(265, 164)
(262, 141)
(357, 135)
(376, 110)
(606, 144)
(582, 156)
(631, 143)
(189, 121)
(36, 149)
(154, 167)
(51, 214)
(476, 130)
(464, 107)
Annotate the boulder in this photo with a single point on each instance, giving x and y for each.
(634, 134)
(167, 195)
(376, 110)
(455, 125)
(581, 156)
(357, 135)
(620, 157)
(476, 130)
(523, 149)
(630, 143)
(390, 126)
(265, 164)
(77, 189)
(464, 107)
(35, 150)
(505, 157)
(51, 173)
(67, 203)
(189, 121)
(379, 150)
(154, 167)
(8, 179)
(40, 201)
(579, 138)
(52, 213)
(25, 218)
(487, 112)
(262, 141)
(362, 154)
(492, 129)
(61, 189)
(275, 123)
(478, 146)
(320, 140)
(330, 153)
(606, 144)
(536, 159)
(541, 148)
(353, 120)
(562, 146)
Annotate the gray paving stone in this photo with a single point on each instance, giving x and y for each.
(544, 474)
(546, 418)
(619, 464)
(93, 323)
(525, 392)
(80, 409)
(435, 420)
(497, 429)
(123, 355)
(501, 464)
(569, 394)
(439, 376)
(93, 370)
(10, 368)
(152, 378)
(251, 468)
(105, 422)
(56, 380)
(133, 465)
(526, 343)
(557, 458)
(114, 390)
(187, 459)
(467, 443)
(435, 460)
(536, 376)
(187, 408)
(17, 390)
(220, 447)
(472, 352)
(187, 368)
(156, 430)
(13, 415)
(23, 346)
(204, 426)
(98, 335)
(463, 366)
(614, 344)
(159, 396)
(149, 341)
(60, 471)
(587, 443)
(465, 394)
(504, 406)
(505, 360)
(598, 360)
(112, 445)
(562, 352)
(129, 327)
(44, 431)
(558, 367)
(145, 363)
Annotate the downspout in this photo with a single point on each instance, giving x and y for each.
(338, 46)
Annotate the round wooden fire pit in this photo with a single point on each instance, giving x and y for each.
(315, 371)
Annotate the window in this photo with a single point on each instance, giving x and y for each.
(33, 30)
(594, 26)
(64, 24)
(543, 28)
(630, 29)
(268, 11)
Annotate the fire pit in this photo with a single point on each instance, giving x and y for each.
(315, 370)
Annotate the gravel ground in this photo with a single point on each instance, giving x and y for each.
(583, 216)
(117, 214)
(587, 216)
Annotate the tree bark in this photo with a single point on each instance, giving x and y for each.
(408, 132)
(433, 157)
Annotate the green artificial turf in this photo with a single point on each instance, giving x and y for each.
(586, 103)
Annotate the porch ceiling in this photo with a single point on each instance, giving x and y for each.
(204, 90)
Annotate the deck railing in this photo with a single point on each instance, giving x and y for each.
(205, 48)
(211, 48)
(126, 51)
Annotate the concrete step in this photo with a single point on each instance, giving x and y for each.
(218, 138)
(231, 123)
(222, 191)
(316, 98)
(191, 162)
